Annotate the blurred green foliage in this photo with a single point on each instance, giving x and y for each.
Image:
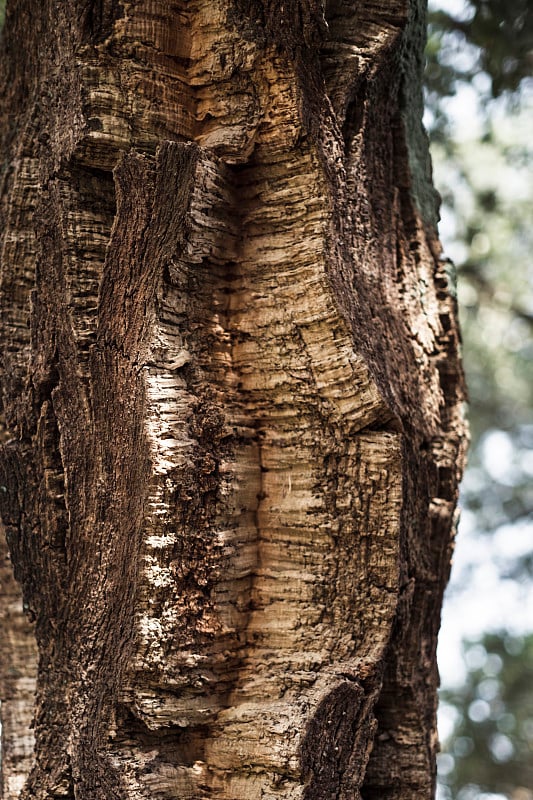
(484, 177)
(492, 748)
(498, 36)
(485, 43)
(487, 196)
(480, 115)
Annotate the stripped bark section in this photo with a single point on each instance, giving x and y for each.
(235, 419)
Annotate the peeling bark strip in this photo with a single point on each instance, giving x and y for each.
(232, 396)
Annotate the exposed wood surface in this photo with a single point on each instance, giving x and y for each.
(233, 402)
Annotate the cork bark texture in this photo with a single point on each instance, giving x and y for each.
(232, 402)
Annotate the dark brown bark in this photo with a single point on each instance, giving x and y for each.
(232, 395)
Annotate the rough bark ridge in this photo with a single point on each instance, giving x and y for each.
(233, 399)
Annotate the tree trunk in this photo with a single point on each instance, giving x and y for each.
(232, 397)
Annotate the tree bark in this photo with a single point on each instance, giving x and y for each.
(233, 401)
